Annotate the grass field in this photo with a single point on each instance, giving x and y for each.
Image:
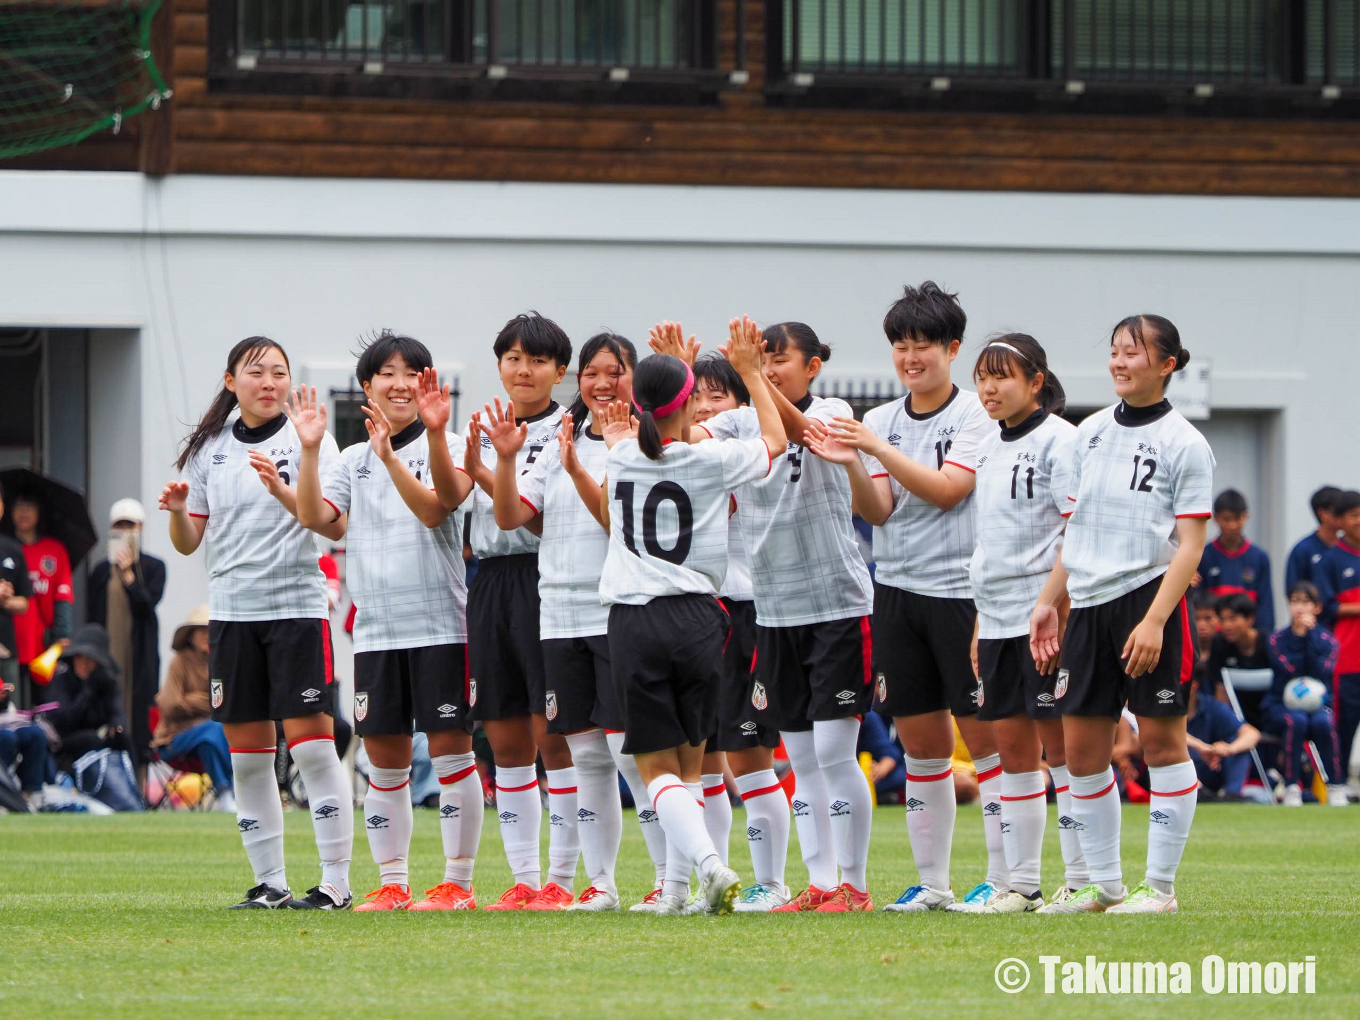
(122, 917)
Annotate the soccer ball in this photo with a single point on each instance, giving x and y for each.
(1305, 694)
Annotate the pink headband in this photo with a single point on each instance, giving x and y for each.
(680, 398)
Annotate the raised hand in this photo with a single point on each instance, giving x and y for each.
(506, 436)
(849, 432)
(308, 416)
(618, 423)
(827, 447)
(745, 344)
(472, 452)
(174, 497)
(379, 430)
(268, 472)
(432, 401)
(669, 338)
(566, 440)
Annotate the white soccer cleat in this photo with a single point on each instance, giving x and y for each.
(1293, 795)
(595, 900)
(1338, 795)
(696, 904)
(1062, 894)
(1090, 900)
(976, 900)
(1146, 900)
(669, 906)
(720, 889)
(1012, 902)
(919, 898)
(648, 903)
(761, 899)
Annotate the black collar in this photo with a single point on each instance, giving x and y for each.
(589, 434)
(260, 432)
(804, 403)
(553, 405)
(906, 406)
(1132, 417)
(1010, 435)
(408, 435)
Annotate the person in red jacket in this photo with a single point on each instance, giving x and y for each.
(49, 616)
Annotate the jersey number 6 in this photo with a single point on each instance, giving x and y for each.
(661, 492)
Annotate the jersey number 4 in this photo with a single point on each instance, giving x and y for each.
(1146, 484)
(661, 492)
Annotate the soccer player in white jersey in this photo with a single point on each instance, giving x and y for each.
(1141, 487)
(813, 646)
(562, 487)
(921, 452)
(667, 505)
(505, 657)
(394, 496)
(1021, 498)
(271, 646)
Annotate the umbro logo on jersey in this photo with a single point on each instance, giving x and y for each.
(1095, 441)
(981, 460)
(894, 439)
(216, 687)
(376, 822)
(839, 808)
(550, 705)
(753, 834)
(219, 458)
(1160, 817)
(310, 694)
(247, 825)
(584, 815)
(915, 805)
(362, 472)
(1060, 688)
(646, 815)
(326, 812)
(360, 706)
(447, 711)
(1068, 822)
(1164, 697)
(992, 808)
(749, 727)
(448, 811)
(845, 697)
(800, 808)
(508, 817)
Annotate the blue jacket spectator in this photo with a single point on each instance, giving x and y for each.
(1307, 554)
(1230, 565)
(889, 771)
(1219, 744)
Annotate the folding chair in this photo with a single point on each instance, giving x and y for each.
(1235, 680)
(172, 772)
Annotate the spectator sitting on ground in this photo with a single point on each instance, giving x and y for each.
(1303, 649)
(1304, 558)
(966, 788)
(125, 588)
(23, 748)
(889, 769)
(1239, 645)
(185, 725)
(89, 701)
(1219, 746)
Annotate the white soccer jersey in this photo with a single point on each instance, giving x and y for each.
(921, 548)
(262, 564)
(572, 553)
(737, 586)
(795, 524)
(485, 538)
(668, 529)
(1021, 497)
(1133, 474)
(408, 581)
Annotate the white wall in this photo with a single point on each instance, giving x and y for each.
(1267, 288)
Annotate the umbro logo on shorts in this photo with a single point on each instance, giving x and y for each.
(915, 805)
(845, 697)
(448, 811)
(1160, 817)
(310, 694)
(247, 825)
(839, 808)
(361, 706)
(992, 808)
(748, 727)
(1045, 698)
(326, 812)
(585, 815)
(447, 711)
(376, 822)
(647, 815)
(508, 818)
(753, 834)
(216, 693)
(1165, 697)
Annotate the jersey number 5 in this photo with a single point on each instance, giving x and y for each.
(1146, 484)
(661, 492)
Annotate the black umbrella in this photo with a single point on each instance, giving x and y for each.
(64, 514)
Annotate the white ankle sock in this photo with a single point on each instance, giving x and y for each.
(259, 813)
(652, 832)
(931, 810)
(1023, 814)
(1095, 809)
(461, 807)
(682, 818)
(717, 814)
(989, 793)
(767, 825)
(812, 810)
(1076, 875)
(851, 807)
(330, 796)
(564, 844)
(389, 820)
(520, 813)
(1170, 814)
(600, 811)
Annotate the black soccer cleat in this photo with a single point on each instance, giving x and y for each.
(264, 897)
(319, 899)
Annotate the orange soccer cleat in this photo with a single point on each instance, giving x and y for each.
(809, 899)
(448, 896)
(847, 900)
(389, 897)
(517, 897)
(551, 897)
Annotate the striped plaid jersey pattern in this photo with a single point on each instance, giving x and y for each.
(485, 538)
(262, 564)
(737, 585)
(1128, 485)
(668, 528)
(407, 580)
(795, 523)
(1021, 497)
(921, 548)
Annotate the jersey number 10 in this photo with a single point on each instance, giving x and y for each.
(661, 492)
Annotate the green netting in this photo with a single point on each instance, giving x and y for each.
(70, 68)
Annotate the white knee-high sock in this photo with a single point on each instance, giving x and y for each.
(851, 807)
(767, 825)
(1095, 809)
(1023, 814)
(461, 807)
(812, 810)
(330, 796)
(1170, 814)
(652, 832)
(931, 810)
(520, 813)
(1076, 874)
(259, 813)
(678, 863)
(682, 817)
(389, 821)
(989, 793)
(717, 814)
(600, 810)
(564, 843)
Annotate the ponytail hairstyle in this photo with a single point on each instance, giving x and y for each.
(798, 335)
(661, 386)
(619, 346)
(247, 352)
(1012, 353)
(1157, 333)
